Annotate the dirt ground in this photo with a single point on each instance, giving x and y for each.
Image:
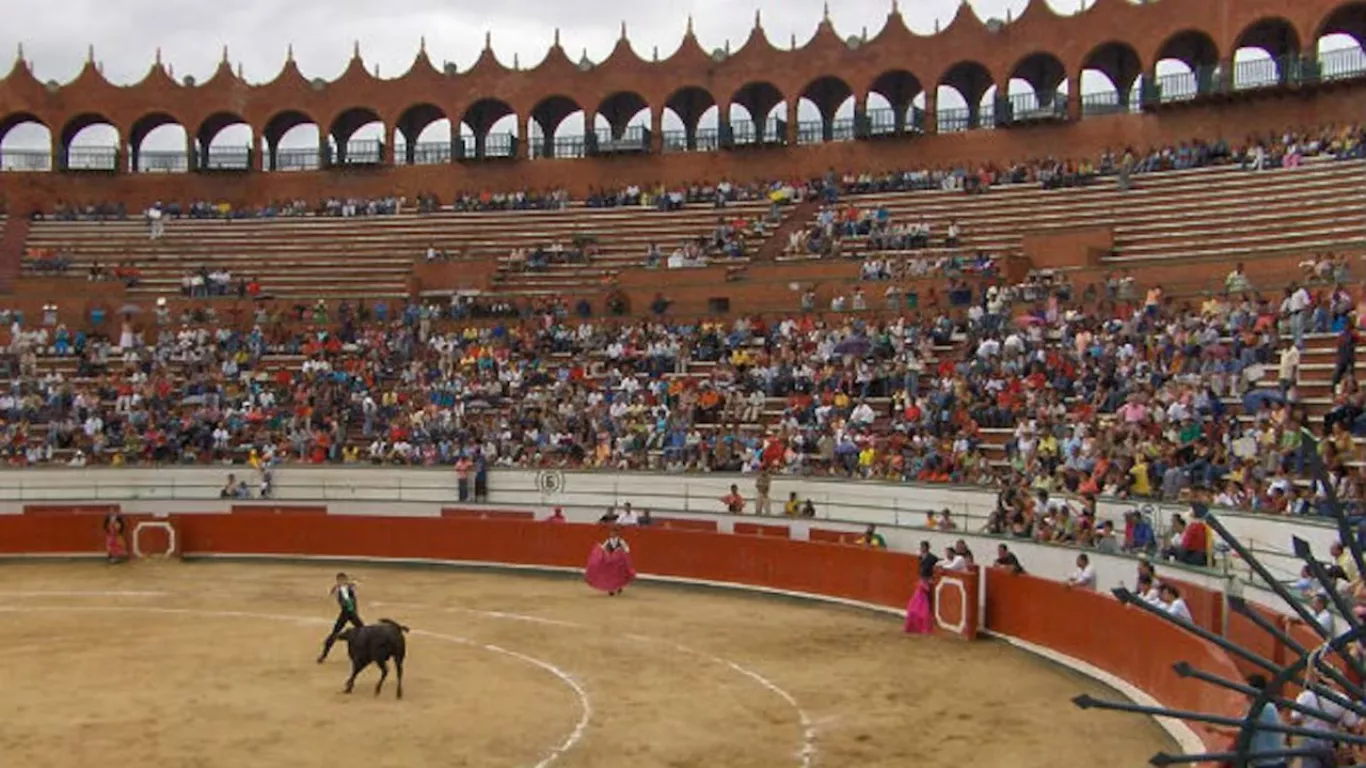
(212, 664)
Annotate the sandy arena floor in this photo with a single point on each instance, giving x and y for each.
(168, 664)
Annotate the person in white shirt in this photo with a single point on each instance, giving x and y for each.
(1175, 604)
(1322, 616)
(628, 516)
(1085, 575)
(954, 560)
(1297, 305)
(1289, 369)
(1331, 717)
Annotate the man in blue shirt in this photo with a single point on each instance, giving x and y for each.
(1264, 741)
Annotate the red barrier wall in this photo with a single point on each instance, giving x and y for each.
(1122, 640)
(1085, 625)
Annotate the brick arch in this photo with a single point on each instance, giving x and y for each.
(97, 155)
(481, 116)
(620, 108)
(413, 120)
(1117, 60)
(1349, 19)
(349, 120)
(899, 87)
(143, 126)
(759, 98)
(690, 103)
(971, 80)
(275, 128)
(1194, 47)
(1273, 34)
(1042, 70)
(207, 131)
(77, 123)
(549, 114)
(209, 128)
(15, 119)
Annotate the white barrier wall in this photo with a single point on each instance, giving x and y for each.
(898, 509)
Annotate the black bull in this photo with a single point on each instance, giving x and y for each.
(376, 643)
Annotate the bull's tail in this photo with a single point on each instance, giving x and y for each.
(395, 624)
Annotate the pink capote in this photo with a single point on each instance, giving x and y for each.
(113, 544)
(609, 571)
(919, 612)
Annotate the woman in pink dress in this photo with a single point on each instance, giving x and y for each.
(609, 565)
(115, 538)
(920, 610)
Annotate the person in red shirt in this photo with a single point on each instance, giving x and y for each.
(1195, 540)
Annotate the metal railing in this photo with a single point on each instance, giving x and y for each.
(92, 159)
(425, 153)
(1028, 107)
(361, 152)
(226, 159)
(705, 140)
(1108, 103)
(635, 139)
(560, 147)
(297, 160)
(1342, 64)
(25, 160)
(163, 162)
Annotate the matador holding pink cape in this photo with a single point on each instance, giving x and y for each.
(609, 564)
(920, 610)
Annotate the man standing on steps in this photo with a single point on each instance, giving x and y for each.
(762, 484)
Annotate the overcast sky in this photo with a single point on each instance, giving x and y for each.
(191, 35)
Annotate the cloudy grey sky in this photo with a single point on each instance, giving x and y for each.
(191, 35)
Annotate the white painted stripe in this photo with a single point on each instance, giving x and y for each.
(84, 593)
(556, 752)
(806, 755)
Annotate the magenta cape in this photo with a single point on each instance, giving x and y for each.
(920, 612)
(609, 571)
(114, 546)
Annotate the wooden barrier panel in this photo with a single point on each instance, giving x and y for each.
(833, 537)
(278, 509)
(71, 509)
(763, 529)
(684, 524)
(475, 513)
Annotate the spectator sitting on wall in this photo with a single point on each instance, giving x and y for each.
(1084, 577)
(1318, 604)
(1174, 603)
(628, 516)
(1007, 560)
(872, 539)
(1148, 591)
(808, 508)
(953, 560)
(609, 517)
(793, 507)
(644, 519)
